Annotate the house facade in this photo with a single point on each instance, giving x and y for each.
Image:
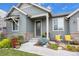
(31, 20)
(2, 21)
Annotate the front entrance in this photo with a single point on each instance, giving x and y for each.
(37, 28)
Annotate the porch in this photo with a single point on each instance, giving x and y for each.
(38, 25)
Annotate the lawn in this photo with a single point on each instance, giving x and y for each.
(12, 52)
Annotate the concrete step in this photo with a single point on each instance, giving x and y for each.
(33, 39)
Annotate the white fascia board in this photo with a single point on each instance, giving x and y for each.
(20, 10)
(72, 13)
(39, 15)
(9, 11)
(16, 9)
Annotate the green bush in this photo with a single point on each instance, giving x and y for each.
(21, 39)
(42, 41)
(43, 34)
(1, 45)
(54, 46)
(70, 48)
(5, 43)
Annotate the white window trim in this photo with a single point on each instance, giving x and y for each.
(53, 25)
(17, 29)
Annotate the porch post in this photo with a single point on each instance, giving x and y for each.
(47, 26)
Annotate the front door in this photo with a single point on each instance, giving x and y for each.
(38, 28)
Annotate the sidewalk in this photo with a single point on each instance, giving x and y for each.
(29, 47)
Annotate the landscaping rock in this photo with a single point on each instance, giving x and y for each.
(60, 48)
(52, 42)
(62, 45)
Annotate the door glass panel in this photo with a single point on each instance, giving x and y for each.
(38, 28)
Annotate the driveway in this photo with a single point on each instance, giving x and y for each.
(29, 47)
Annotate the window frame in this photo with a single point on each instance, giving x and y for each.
(57, 23)
(12, 27)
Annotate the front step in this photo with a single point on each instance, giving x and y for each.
(34, 39)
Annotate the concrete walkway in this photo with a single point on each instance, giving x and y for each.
(29, 47)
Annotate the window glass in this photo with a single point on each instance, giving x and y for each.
(15, 26)
(58, 24)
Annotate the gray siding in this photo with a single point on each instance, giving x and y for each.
(62, 33)
(29, 26)
(73, 23)
(22, 22)
(22, 27)
(44, 25)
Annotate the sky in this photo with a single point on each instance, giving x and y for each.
(56, 8)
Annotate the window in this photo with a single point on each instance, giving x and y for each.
(15, 26)
(58, 24)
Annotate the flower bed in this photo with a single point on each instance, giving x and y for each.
(13, 42)
(62, 46)
(53, 45)
(73, 48)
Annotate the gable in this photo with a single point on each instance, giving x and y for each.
(28, 9)
(15, 11)
(31, 9)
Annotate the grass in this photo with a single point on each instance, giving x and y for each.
(12, 52)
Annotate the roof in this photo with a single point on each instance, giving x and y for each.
(61, 14)
(71, 14)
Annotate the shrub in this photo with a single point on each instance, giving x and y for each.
(42, 41)
(21, 39)
(8, 45)
(17, 41)
(77, 49)
(54, 46)
(1, 45)
(70, 48)
(5, 43)
(43, 34)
